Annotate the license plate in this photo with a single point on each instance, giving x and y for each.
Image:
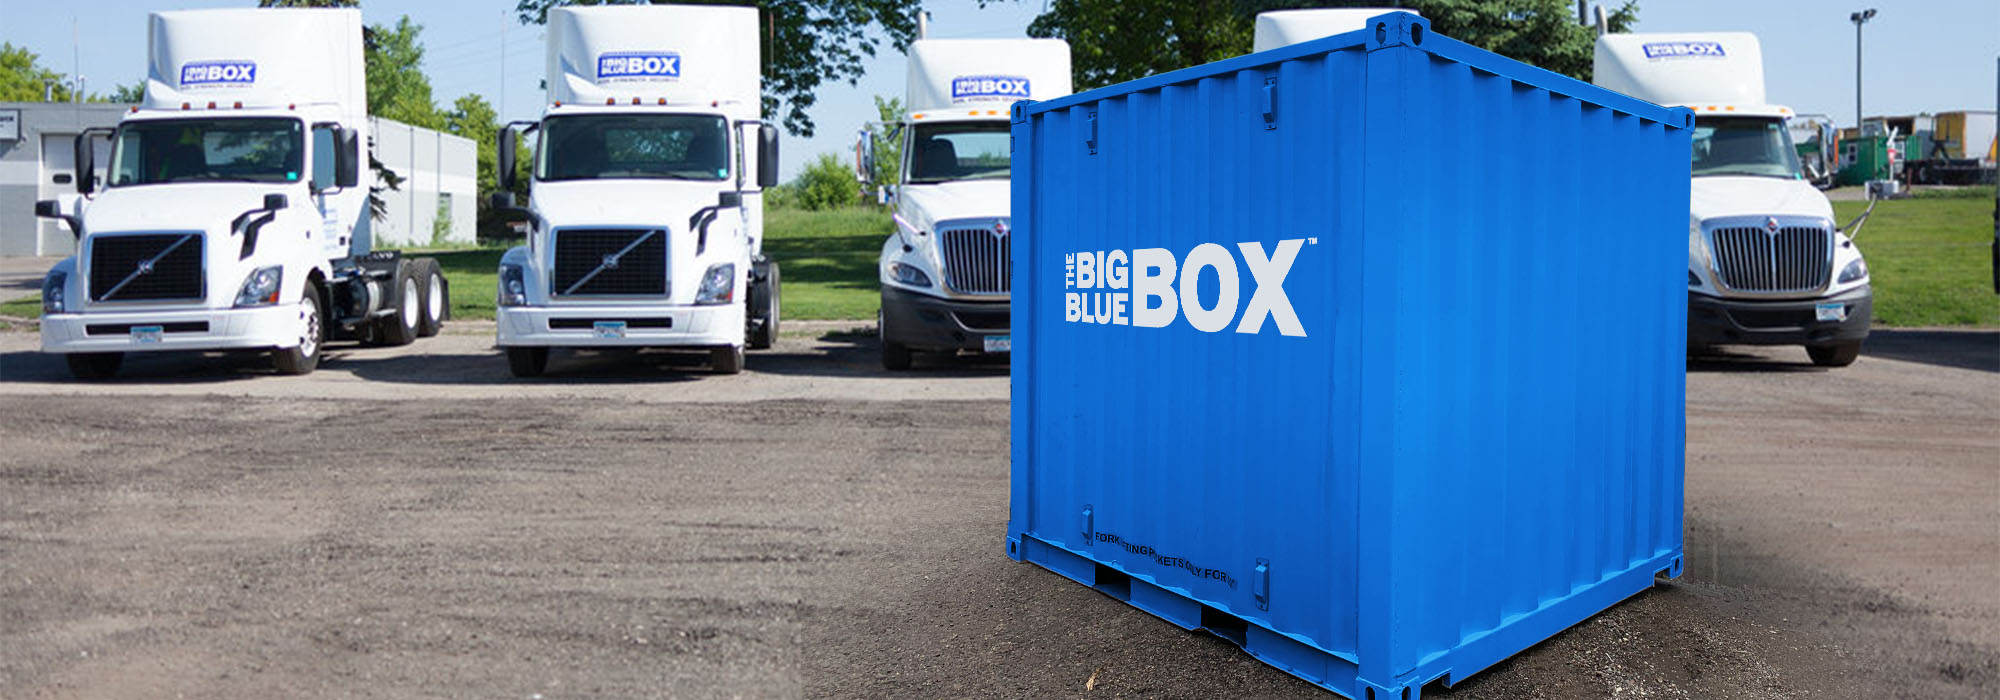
(608, 329)
(999, 343)
(145, 335)
(1830, 312)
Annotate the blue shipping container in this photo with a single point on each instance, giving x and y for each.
(1365, 353)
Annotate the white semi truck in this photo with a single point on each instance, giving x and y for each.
(235, 213)
(646, 206)
(945, 271)
(1766, 263)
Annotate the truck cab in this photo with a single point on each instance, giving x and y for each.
(646, 206)
(1767, 264)
(234, 215)
(946, 271)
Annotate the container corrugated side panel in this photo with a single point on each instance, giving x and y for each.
(1424, 474)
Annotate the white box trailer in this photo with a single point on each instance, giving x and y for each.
(945, 270)
(646, 204)
(233, 213)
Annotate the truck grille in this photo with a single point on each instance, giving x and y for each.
(146, 267)
(976, 260)
(610, 262)
(1794, 259)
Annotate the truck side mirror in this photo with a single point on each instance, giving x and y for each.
(86, 163)
(275, 201)
(767, 156)
(48, 209)
(346, 158)
(503, 152)
(864, 157)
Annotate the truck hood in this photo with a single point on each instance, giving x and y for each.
(623, 202)
(926, 205)
(1732, 195)
(207, 207)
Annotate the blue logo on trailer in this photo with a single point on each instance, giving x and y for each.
(968, 88)
(1685, 49)
(218, 73)
(639, 64)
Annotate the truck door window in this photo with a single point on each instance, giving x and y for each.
(324, 142)
(644, 146)
(207, 150)
(959, 151)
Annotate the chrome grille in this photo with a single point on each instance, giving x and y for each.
(146, 267)
(581, 267)
(976, 260)
(1794, 259)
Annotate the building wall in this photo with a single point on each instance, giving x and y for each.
(440, 184)
(25, 178)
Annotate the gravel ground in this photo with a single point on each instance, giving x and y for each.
(411, 523)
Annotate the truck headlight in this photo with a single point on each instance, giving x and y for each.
(513, 286)
(718, 285)
(261, 288)
(1854, 271)
(910, 275)
(53, 287)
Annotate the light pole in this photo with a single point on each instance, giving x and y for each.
(1858, 18)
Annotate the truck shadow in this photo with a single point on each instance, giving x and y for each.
(1750, 359)
(143, 368)
(1962, 349)
(858, 353)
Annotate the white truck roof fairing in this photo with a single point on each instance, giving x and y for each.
(271, 58)
(986, 73)
(1699, 70)
(685, 54)
(1287, 27)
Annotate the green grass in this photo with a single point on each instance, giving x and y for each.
(826, 260)
(473, 275)
(26, 307)
(1929, 258)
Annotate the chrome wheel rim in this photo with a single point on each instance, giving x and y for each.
(309, 340)
(410, 303)
(436, 298)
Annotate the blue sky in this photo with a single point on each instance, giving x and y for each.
(1922, 55)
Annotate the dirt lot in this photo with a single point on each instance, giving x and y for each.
(633, 527)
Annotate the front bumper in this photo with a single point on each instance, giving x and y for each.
(1718, 321)
(645, 326)
(925, 322)
(195, 329)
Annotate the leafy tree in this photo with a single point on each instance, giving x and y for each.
(806, 43)
(1117, 40)
(23, 78)
(888, 143)
(473, 118)
(397, 86)
(826, 183)
(129, 94)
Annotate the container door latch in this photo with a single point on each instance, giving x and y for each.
(1260, 584)
(1089, 526)
(1270, 103)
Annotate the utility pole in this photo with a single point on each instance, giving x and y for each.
(1858, 18)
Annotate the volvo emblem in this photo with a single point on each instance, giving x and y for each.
(611, 261)
(1771, 224)
(999, 229)
(145, 267)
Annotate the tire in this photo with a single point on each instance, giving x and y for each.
(436, 300)
(727, 359)
(304, 357)
(94, 365)
(765, 304)
(400, 328)
(527, 362)
(895, 356)
(1836, 355)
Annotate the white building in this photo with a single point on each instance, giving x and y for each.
(436, 203)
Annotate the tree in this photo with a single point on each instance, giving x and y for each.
(473, 118)
(806, 43)
(397, 86)
(129, 94)
(23, 78)
(1117, 40)
(826, 183)
(888, 143)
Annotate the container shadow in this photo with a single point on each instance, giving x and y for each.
(1962, 349)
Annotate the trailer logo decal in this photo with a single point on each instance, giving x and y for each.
(1151, 287)
(218, 73)
(639, 65)
(980, 88)
(1685, 49)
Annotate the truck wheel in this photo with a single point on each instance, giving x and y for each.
(94, 365)
(437, 298)
(895, 356)
(527, 362)
(400, 327)
(1836, 355)
(727, 359)
(764, 303)
(304, 357)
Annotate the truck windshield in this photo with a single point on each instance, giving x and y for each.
(207, 150)
(1744, 146)
(646, 146)
(959, 151)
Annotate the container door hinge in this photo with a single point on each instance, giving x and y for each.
(1091, 143)
(1089, 524)
(1271, 103)
(1260, 584)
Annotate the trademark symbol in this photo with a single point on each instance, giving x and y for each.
(1312, 241)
